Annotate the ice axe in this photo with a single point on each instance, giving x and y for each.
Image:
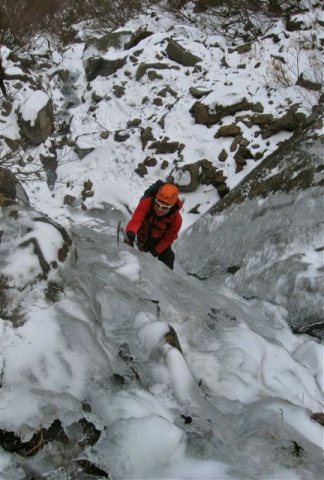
(121, 230)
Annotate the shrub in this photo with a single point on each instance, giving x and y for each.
(239, 19)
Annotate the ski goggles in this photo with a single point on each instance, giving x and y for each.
(163, 205)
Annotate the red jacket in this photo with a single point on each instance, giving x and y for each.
(153, 231)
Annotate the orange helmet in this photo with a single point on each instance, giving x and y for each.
(168, 194)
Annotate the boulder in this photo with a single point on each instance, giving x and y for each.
(116, 40)
(289, 122)
(137, 37)
(228, 131)
(96, 66)
(178, 54)
(11, 190)
(308, 84)
(199, 92)
(36, 118)
(223, 155)
(203, 172)
(164, 146)
(121, 136)
(241, 49)
(146, 136)
(8, 182)
(141, 69)
(150, 162)
(141, 170)
(210, 114)
(299, 174)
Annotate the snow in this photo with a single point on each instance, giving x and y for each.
(248, 383)
(33, 104)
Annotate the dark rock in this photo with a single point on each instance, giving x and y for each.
(121, 136)
(137, 37)
(241, 48)
(134, 123)
(63, 74)
(243, 153)
(143, 67)
(91, 469)
(8, 182)
(86, 407)
(228, 131)
(289, 122)
(163, 93)
(91, 434)
(223, 155)
(111, 39)
(118, 379)
(201, 172)
(308, 84)
(141, 170)
(299, 174)
(150, 161)
(187, 419)
(11, 442)
(87, 185)
(12, 144)
(83, 152)
(96, 98)
(164, 146)
(199, 92)
(195, 209)
(258, 156)
(257, 107)
(204, 115)
(119, 91)
(262, 120)
(172, 338)
(318, 417)
(98, 66)
(104, 135)
(158, 102)
(146, 136)
(294, 25)
(235, 143)
(178, 54)
(87, 194)
(233, 269)
(153, 75)
(224, 63)
(222, 189)
(37, 131)
(7, 108)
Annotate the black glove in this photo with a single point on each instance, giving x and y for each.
(130, 238)
(154, 252)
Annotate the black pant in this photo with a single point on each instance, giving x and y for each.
(3, 88)
(167, 257)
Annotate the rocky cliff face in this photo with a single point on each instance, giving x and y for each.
(267, 234)
(296, 165)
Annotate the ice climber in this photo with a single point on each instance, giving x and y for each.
(156, 223)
